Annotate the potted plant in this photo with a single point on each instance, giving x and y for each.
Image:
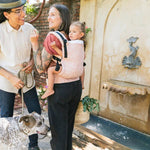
(85, 107)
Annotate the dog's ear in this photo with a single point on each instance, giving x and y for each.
(28, 121)
(24, 119)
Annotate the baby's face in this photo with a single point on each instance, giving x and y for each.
(75, 32)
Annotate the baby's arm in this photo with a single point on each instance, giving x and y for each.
(83, 74)
(59, 51)
(82, 78)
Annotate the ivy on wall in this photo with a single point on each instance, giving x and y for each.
(31, 10)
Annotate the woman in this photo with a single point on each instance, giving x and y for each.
(62, 105)
(15, 60)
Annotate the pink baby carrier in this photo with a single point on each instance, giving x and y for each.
(73, 57)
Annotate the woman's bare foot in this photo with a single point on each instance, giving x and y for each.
(47, 93)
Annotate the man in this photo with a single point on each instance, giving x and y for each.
(15, 60)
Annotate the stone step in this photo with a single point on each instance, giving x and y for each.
(86, 139)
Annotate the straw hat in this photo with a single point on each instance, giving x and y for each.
(9, 4)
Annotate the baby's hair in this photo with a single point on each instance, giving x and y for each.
(81, 25)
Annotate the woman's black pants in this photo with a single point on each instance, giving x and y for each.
(62, 106)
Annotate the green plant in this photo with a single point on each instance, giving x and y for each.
(87, 30)
(90, 104)
(31, 9)
(40, 91)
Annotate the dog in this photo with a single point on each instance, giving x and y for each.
(14, 131)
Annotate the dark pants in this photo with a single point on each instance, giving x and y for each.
(62, 106)
(31, 101)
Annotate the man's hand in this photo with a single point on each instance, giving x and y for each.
(16, 82)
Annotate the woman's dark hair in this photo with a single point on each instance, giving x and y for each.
(65, 16)
(2, 17)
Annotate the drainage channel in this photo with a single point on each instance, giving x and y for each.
(128, 137)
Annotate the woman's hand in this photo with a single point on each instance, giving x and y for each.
(34, 39)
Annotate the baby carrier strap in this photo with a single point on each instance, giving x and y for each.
(57, 62)
(65, 42)
(65, 51)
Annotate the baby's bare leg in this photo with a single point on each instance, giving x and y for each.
(50, 90)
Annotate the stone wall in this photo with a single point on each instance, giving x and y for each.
(126, 100)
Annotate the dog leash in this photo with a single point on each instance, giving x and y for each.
(24, 77)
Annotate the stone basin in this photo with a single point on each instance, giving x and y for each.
(123, 135)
